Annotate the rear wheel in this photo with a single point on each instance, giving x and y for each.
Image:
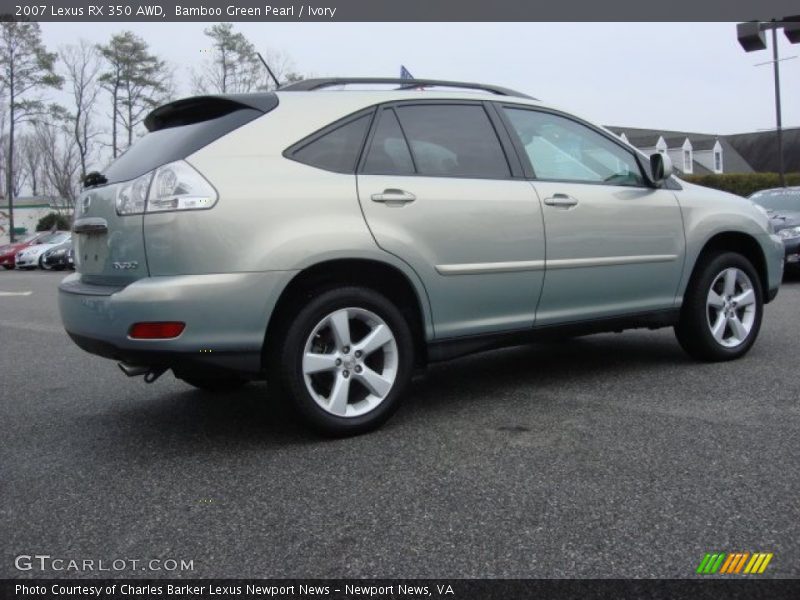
(722, 308)
(346, 361)
(8, 267)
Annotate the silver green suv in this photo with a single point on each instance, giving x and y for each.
(332, 240)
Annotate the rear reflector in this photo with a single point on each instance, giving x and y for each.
(156, 331)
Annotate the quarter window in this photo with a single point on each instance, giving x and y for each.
(561, 149)
(388, 153)
(453, 141)
(336, 150)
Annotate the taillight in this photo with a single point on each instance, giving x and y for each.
(175, 186)
(163, 330)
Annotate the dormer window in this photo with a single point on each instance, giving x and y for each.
(661, 145)
(687, 156)
(717, 157)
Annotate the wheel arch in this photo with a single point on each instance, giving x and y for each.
(741, 243)
(377, 275)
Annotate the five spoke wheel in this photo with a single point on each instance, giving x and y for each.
(350, 362)
(731, 307)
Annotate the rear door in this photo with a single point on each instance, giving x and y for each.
(439, 191)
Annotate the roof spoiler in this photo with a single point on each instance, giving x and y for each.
(203, 108)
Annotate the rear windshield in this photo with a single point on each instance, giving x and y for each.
(174, 143)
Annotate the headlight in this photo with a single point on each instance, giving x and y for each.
(176, 186)
(789, 233)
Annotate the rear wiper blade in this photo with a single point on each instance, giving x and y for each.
(93, 179)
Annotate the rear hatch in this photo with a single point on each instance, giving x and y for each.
(109, 247)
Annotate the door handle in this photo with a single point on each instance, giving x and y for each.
(561, 201)
(393, 196)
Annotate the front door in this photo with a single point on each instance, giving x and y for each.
(615, 244)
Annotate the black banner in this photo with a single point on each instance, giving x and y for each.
(409, 589)
(395, 10)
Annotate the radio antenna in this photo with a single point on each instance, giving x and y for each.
(271, 74)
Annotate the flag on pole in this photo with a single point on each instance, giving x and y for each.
(405, 73)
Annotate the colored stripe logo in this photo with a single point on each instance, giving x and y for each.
(734, 563)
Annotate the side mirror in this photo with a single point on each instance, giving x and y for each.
(660, 167)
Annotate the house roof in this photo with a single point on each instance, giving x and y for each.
(760, 149)
(732, 160)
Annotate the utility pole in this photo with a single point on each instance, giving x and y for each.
(751, 37)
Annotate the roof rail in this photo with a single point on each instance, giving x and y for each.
(307, 85)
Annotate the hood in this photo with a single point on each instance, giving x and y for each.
(783, 219)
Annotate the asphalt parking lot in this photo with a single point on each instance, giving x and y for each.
(607, 456)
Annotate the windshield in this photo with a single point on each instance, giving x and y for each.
(788, 199)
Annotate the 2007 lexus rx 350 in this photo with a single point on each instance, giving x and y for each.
(332, 240)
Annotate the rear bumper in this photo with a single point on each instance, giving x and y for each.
(226, 317)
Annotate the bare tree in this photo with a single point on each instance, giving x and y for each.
(25, 68)
(82, 63)
(31, 163)
(234, 67)
(137, 81)
(61, 160)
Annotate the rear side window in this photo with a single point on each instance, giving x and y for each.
(453, 141)
(337, 149)
(388, 153)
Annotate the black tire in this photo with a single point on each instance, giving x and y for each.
(288, 354)
(212, 381)
(42, 265)
(693, 329)
(8, 267)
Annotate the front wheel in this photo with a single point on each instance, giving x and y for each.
(722, 308)
(8, 267)
(347, 358)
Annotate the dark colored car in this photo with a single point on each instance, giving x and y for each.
(783, 207)
(59, 257)
(8, 252)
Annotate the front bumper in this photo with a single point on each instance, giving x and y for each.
(226, 317)
(792, 251)
(7, 259)
(62, 260)
(24, 262)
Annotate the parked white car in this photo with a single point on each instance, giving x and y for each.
(30, 257)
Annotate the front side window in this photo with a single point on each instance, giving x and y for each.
(561, 149)
(453, 141)
(336, 150)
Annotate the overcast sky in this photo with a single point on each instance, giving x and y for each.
(686, 76)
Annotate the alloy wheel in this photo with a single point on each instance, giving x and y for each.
(731, 307)
(350, 362)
